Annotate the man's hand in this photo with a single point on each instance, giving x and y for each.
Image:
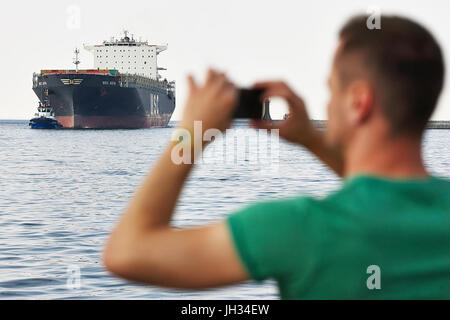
(297, 128)
(213, 103)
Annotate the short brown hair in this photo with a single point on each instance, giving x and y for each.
(407, 62)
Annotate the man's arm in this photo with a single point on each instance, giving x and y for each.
(143, 247)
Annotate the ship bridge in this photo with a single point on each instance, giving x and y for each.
(128, 55)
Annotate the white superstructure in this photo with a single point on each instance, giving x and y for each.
(127, 56)
(45, 111)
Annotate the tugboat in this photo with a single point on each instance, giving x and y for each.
(45, 118)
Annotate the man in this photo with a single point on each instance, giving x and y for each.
(385, 234)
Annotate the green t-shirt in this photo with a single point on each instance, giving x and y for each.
(376, 238)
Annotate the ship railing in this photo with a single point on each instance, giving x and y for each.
(127, 78)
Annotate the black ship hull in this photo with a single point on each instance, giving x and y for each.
(102, 101)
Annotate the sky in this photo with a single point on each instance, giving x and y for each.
(251, 41)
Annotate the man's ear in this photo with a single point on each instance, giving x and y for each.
(362, 101)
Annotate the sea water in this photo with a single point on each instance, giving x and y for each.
(62, 191)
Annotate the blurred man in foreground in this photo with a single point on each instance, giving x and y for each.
(384, 234)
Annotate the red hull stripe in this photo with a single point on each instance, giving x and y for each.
(110, 122)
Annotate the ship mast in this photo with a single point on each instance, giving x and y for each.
(76, 62)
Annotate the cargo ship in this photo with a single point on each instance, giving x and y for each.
(124, 90)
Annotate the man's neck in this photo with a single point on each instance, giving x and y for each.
(398, 157)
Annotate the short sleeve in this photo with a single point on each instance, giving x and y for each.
(268, 236)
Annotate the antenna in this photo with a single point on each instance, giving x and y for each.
(76, 62)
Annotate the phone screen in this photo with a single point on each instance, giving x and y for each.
(250, 104)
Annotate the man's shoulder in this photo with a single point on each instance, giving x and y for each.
(280, 211)
(287, 204)
(365, 189)
(368, 189)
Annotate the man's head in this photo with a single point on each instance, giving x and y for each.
(383, 79)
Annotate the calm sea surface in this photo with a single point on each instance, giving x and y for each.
(61, 192)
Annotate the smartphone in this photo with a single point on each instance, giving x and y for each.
(250, 104)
